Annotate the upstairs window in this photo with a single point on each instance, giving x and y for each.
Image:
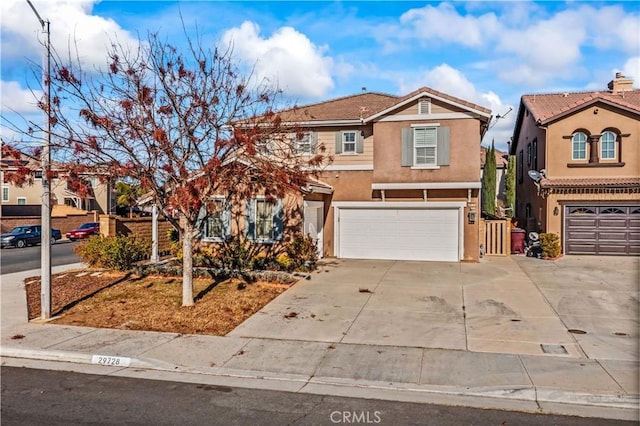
(425, 146)
(5, 193)
(520, 166)
(608, 145)
(579, 146)
(350, 142)
(305, 143)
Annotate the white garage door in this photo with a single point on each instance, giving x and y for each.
(399, 234)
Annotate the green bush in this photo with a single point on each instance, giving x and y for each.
(302, 252)
(117, 253)
(550, 244)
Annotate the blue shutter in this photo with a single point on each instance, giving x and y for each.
(359, 142)
(278, 221)
(249, 220)
(443, 146)
(338, 142)
(407, 147)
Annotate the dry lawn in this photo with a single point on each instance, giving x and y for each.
(154, 303)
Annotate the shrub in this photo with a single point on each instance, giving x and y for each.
(117, 253)
(550, 244)
(303, 252)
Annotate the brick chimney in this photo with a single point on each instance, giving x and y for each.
(620, 84)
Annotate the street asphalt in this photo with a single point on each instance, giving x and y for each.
(511, 333)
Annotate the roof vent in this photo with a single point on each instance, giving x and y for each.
(364, 89)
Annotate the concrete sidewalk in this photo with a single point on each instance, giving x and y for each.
(493, 334)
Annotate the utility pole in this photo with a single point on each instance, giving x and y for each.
(45, 160)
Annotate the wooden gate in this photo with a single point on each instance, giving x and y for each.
(497, 237)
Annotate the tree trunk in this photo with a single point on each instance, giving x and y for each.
(187, 263)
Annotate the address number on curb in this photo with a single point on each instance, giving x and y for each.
(111, 361)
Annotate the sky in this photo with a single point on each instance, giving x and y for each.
(488, 53)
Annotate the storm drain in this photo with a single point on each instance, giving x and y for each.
(554, 349)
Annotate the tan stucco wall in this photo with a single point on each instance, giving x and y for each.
(595, 123)
(464, 153)
(327, 137)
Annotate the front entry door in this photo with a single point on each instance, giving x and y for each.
(313, 221)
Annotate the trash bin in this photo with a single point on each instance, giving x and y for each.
(517, 240)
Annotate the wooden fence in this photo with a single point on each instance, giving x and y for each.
(497, 237)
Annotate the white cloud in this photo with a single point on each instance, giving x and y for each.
(71, 25)
(16, 99)
(444, 23)
(631, 69)
(287, 58)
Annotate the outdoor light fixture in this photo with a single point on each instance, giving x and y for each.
(45, 160)
(556, 211)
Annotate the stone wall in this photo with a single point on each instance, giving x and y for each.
(141, 227)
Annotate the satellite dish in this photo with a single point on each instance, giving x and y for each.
(535, 175)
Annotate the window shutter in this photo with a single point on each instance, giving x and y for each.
(313, 141)
(407, 147)
(278, 221)
(359, 142)
(249, 220)
(443, 146)
(201, 220)
(338, 142)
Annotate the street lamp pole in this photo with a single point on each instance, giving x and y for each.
(45, 159)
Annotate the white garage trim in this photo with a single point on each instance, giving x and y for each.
(426, 185)
(427, 205)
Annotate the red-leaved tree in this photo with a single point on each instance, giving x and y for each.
(182, 124)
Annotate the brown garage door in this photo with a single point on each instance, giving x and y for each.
(613, 230)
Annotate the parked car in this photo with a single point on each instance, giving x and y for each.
(84, 231)
(26, 235)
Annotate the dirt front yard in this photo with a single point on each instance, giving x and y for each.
(116, 300)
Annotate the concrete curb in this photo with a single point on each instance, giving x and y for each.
(522, 398)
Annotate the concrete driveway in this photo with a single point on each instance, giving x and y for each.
(579, 307)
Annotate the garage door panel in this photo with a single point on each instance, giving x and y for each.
(399, 234)
(609, 230)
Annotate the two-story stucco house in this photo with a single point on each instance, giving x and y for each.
(585, 148)
(405, 178)
(99, 197)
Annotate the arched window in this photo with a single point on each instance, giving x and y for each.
(579, 146)
(608, 145)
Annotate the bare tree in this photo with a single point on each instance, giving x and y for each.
(183, 125)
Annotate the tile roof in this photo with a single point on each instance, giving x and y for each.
(545, 107)
(590, 182)
(363, 105)
(345, 108)
(502, 158)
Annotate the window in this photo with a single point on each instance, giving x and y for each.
(520, 166)
(608, 145)
(425, 146)
(5, 193)
(264, 220)
(216, 226)
(348, 142)
(528, 154)
(22, 201)
(424, 106)
(263, 146)
(304, 144)
(579, 146)
(534, 154)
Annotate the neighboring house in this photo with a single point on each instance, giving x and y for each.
(502, 161)
(404, 182)
(99, 197)
(586, 148)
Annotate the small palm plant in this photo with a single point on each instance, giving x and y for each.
(127, 195)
